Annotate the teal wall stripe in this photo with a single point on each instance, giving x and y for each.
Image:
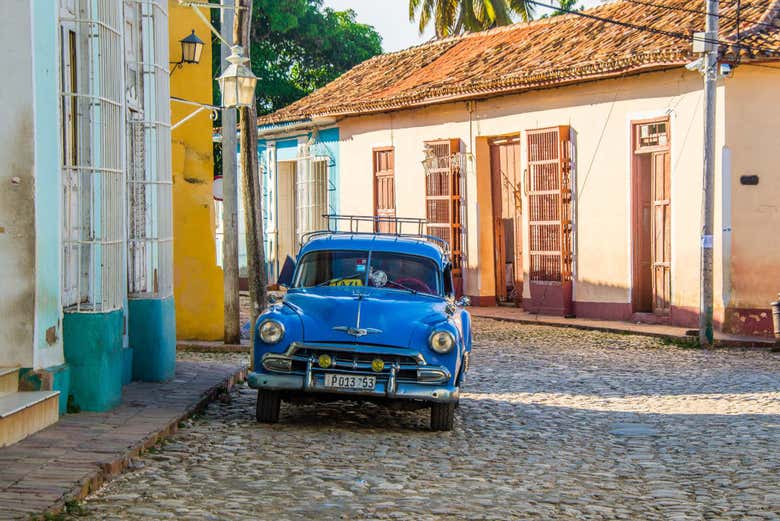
(152, 332)
(93, 350)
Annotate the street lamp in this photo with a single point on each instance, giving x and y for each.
(237, 81)
(191, 47)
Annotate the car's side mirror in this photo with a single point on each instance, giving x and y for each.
(286, 275)
(463, 302)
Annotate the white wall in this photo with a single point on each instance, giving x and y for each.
(17, 186)
(600, 114)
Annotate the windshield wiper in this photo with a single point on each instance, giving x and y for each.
(410, 290)
(338, 279)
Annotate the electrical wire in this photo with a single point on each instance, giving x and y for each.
(653, 30)
(697, 11)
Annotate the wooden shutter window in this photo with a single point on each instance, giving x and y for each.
(384, 189)
(548, 185)
(443, 201)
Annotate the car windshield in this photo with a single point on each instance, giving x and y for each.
(387, 270)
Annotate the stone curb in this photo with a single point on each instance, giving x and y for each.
(107, 470)
(758, 343)
(211, 347)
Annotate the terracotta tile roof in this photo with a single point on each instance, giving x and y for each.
(540, 54)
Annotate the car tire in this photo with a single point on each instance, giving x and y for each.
(268, 404)
(442, 416)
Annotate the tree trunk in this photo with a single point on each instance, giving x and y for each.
(250, 183)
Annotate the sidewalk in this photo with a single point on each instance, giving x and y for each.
(77, 454)
(513, 314)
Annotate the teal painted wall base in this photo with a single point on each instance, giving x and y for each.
(152, 331)
(127, 365)
(93, 349)
(55, 378)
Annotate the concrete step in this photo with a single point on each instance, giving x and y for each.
(24, 413)
(9, 379)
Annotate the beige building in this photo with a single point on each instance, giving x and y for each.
(563, 159)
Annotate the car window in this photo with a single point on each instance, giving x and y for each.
(404, 272)
(332, 268)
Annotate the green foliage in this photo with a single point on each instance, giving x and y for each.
(298, 46)
(565, 7)
(452, 17)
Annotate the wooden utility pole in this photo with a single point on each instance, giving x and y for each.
(250, 182)
(229, 205)
(710, 69)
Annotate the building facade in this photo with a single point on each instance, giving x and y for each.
(198, 277)
(562, 159)
(85, 227)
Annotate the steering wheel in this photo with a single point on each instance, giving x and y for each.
(412, 283)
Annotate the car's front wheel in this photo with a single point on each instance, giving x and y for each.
(442, 416)
(268, 404)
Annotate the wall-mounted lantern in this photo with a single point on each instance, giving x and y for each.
(191, 49)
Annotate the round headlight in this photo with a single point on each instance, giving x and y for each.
(442, 342)
(271, 331)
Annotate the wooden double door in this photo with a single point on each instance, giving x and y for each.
(652, 281)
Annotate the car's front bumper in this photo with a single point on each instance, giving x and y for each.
(403, 374)
(315, 384)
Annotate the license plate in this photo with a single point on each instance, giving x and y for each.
(345, 381)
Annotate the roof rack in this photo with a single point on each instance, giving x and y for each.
(376, 225)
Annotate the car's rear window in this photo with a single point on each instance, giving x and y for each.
(387, 270)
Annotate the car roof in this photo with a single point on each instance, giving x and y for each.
(377, 242)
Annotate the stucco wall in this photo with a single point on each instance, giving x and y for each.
(17, 188)
(599, 114)
(752, 134)
(48, 187)
(198, 281)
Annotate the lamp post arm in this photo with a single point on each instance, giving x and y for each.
(201, 107)
(196, 7)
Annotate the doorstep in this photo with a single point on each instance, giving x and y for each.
(75, 456)
(513, 314)
(23, 413)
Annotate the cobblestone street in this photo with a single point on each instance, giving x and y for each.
(554, 424)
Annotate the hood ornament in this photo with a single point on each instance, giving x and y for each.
(357, 332)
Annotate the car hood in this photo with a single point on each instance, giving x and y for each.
(386, 317)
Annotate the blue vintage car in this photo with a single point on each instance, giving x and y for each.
(367, 316)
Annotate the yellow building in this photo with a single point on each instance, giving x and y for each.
(198, 282)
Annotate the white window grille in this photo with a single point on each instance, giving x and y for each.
(91, 86)
(150, 227)
(311, 194)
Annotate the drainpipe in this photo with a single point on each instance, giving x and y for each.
(776, 322)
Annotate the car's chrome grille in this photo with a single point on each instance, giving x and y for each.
(355, 363)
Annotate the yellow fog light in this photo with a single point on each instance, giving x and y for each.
(377, 365)
(324, 361)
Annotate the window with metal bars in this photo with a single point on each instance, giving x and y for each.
(91, 90)
(150, 227)
(444, 187)
(311, 194)
(548, 186)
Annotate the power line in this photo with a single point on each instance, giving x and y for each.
(649, 29)
(697, 11)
